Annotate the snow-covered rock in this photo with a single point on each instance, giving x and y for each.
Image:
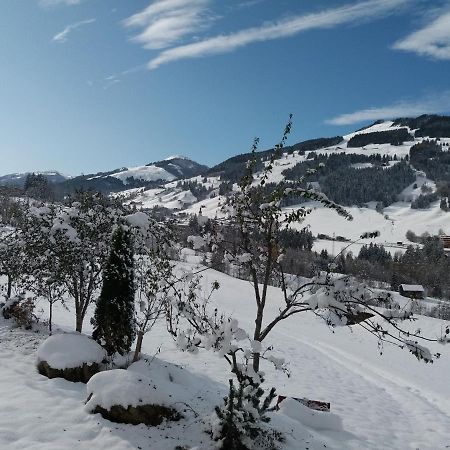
(141, 394)
(65, 351)
(72, 356)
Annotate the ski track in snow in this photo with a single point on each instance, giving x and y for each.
(409, 419)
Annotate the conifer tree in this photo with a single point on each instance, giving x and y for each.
(114, 326)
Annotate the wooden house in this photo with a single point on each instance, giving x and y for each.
(414, 291)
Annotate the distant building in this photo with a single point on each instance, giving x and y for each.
(445, 241)
(415, 291)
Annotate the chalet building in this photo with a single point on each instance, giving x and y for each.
(445, 241)
(414, 291)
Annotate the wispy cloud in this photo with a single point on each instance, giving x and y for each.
(433, 40)
(47, 3)
(248, 4)
(434, 103)
(166, 22)
(347, 14)
(115, 78)
(62, 36)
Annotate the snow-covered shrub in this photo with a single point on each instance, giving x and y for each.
(72, 356)
(44, 274)
(77, 240)
(13, 259)
(21, 310)
(241, 416)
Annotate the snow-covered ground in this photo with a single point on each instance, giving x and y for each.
(393, 224)
(388, 401)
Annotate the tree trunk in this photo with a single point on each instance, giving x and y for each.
(79, 322)
(257, 335)
(137, 352)
(9, 289)
(50, 318)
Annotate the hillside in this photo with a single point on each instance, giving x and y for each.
(382, 201)
(380, 173)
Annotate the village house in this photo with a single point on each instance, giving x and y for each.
(414, 291)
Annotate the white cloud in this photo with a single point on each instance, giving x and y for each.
(62, 36)
(46, 3)
(436, 103)
(347, 14)
(166, 22)
(432, 40)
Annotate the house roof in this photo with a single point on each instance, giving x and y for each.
(412, 287)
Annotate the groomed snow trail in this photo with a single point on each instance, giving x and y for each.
(379, 412)
(389, 401)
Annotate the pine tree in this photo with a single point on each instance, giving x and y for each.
(114, 315)
(241, 414)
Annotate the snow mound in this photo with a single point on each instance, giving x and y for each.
(67, 351)
(319, 420)
(158, 383)
(122, 388)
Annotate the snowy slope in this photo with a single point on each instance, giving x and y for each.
(388, 401)
(392, 223)
(144, 173)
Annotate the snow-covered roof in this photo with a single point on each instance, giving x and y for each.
(412, 287)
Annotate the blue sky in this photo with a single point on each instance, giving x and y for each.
(90, 85)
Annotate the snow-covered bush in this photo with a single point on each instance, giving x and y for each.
(241, 416)
(21, 310)
(73, 241)
(44, 271)
(13, 260)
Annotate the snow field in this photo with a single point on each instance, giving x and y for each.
(388, 401)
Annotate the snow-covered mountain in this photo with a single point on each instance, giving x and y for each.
(207, 192)
(170, 169)
(184, 186)
(18, 179)
(156, 173)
